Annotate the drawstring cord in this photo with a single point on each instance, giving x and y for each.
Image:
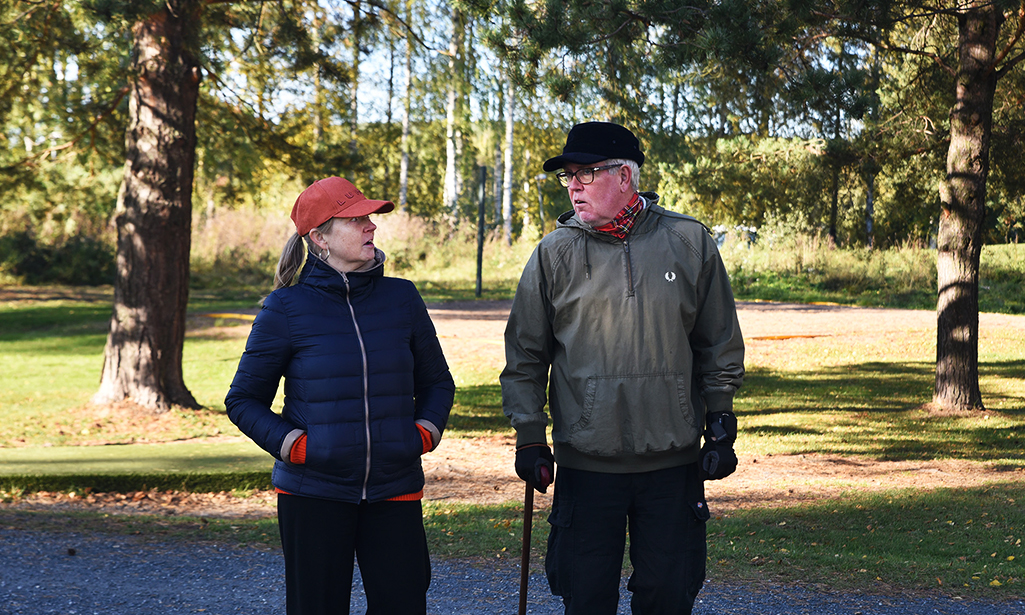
(587, 257)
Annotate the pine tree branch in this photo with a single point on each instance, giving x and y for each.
(1011, 45)
(1010, 64)
(402, 22)
(89, 130)
(885, 46)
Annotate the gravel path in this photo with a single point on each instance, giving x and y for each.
(75, 574)
(79, 574)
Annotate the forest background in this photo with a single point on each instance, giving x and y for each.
(133, 128)
(848, 142)
(843, 151)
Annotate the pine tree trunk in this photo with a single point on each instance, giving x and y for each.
(963, 197)
(143, 355)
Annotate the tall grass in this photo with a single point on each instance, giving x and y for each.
(443, 260)
(804, 269)
(238, 249)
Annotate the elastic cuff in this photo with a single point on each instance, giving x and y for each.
(530, 434)
(433, 431)
(718, 402)
(288, 443)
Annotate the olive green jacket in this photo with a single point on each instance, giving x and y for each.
(629, 342)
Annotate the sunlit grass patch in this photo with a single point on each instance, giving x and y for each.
(804, 270)
(490, 532)
(874, 410)
(956, 541)
(478, 412)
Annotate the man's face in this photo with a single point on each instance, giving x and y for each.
(598, 203)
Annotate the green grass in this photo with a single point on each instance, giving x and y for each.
(815, 397)
(801, 270)
(489, 532)
(259, 532)
(453, 530)
(875, 410)
(182, 457)
(958, 541)
(477, 411)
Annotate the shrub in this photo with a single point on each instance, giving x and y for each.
(238, 248)
(77, 260)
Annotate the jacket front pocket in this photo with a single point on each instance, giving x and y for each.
(635, 414)
(337, 449)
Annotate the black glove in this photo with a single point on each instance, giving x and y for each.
(536, 465)
(717, 457)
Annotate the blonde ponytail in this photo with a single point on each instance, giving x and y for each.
(290, 262)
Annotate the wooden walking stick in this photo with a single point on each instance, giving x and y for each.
(528, 522)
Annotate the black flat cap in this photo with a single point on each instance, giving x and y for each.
(596, 141)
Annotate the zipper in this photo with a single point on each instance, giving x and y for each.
(366, 381)
(629, 269)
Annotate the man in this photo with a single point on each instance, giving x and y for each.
(624, 324)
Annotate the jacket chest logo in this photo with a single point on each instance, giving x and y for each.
(670, 276)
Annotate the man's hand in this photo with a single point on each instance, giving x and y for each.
(717, 457)
(536, 465)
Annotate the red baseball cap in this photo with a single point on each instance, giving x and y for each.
(333, 197)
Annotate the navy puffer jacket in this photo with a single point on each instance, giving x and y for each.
(362, 364)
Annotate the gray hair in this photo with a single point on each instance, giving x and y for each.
(635, 170)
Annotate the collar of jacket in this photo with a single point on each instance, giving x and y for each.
(318, 274)
(569, 219)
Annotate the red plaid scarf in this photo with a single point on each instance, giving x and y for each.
(620, 225)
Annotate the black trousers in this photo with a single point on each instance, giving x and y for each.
(665, 512)
(319, 539)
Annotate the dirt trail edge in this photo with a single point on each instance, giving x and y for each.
(479, 470)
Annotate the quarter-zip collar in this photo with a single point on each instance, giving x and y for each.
(641, 224)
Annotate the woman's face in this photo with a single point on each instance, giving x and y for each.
(350, 241)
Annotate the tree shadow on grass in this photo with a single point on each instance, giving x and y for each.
(880, 410)
(478, 410)
(908, 537)
(53, 321)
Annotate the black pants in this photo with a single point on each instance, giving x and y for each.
(665, 511)
(319, 538)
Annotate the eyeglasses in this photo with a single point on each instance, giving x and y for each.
(584, 176)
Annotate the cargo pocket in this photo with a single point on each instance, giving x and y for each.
(560, 548)
(701, 511)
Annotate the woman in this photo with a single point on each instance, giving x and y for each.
(367, 391)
